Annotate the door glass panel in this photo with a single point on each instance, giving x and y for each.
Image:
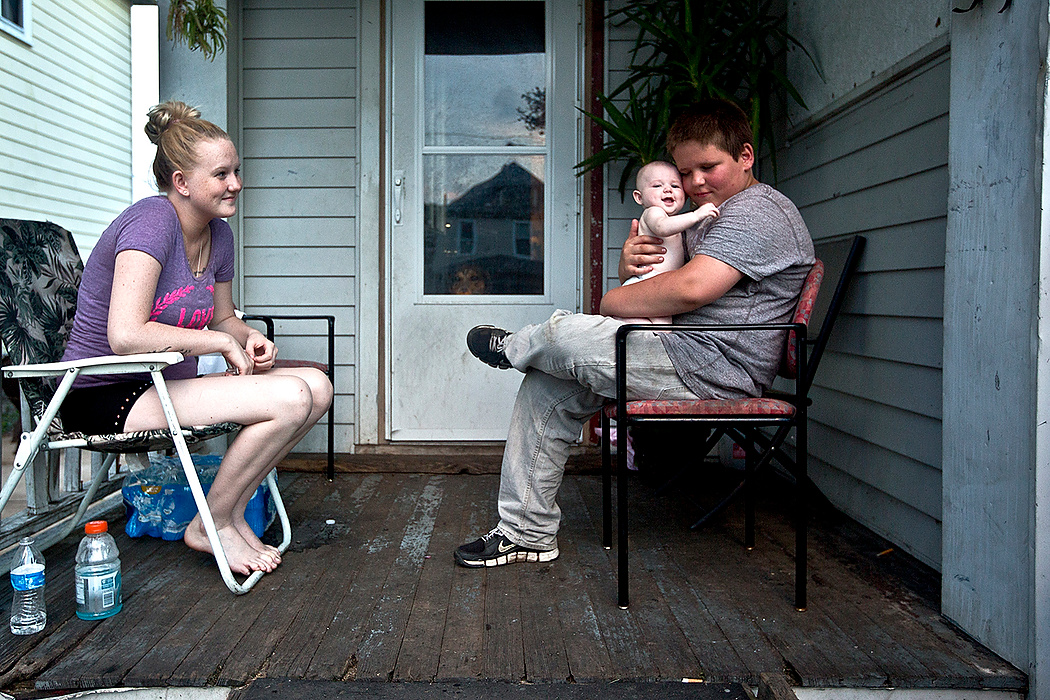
(483, 224)
(484, 73)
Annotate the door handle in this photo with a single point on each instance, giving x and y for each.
(399, 195)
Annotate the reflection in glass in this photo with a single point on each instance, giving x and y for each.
(484, 74)
(483, 224)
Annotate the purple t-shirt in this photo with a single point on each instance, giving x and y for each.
(151, 226)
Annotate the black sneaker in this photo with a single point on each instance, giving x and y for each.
(494, 549)
(486, 344)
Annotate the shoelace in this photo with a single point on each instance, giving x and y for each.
(494, 532)
(496, 343)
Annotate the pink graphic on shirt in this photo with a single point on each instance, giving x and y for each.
(200, 317)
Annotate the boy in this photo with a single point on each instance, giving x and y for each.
(658, 188)
(749, 264)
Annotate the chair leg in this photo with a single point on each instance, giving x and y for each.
(606, 441)
(286, 527)
(621, 518)
(198, 492)
(331, 439)
(96, 481)
(801, 515)
(749, 494)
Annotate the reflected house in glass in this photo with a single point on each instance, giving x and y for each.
(489, 240)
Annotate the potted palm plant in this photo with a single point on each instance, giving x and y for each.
(686, 50)
(200, 24)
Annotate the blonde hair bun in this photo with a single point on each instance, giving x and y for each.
(167, 114)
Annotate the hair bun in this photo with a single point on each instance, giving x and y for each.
(166, 115)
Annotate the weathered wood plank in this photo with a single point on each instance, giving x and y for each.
(373, 552)
(424, 640)
(629, 656)
(461, 645)
(502, 657)
(379, 648)
(672, 654)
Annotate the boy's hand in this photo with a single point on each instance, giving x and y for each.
(639, 254)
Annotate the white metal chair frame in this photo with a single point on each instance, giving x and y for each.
(37, 439)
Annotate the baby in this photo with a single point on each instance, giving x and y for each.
(659, 190)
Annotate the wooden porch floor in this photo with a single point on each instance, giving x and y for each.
(375, 595)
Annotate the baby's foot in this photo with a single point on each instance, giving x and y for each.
(242, 557)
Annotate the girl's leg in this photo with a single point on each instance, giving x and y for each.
(272, 407)
(321, 395)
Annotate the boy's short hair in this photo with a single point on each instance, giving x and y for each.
(714, 122)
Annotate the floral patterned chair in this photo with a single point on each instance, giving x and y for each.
(38, 295)
(743, 420)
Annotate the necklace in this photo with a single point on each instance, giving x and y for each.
(200, 256)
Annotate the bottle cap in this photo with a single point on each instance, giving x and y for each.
(96, 526)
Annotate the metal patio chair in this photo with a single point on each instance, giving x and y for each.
(746, 421)
(38, 294)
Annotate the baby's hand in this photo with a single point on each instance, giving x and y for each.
(707, 211)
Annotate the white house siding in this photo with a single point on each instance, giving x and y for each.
(299, 146)
(65, 117)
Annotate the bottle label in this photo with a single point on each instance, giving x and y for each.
(98, 592)
(27, 577)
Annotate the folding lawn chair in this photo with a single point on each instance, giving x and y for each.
(38, 295)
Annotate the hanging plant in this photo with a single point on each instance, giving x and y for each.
(200, 25)
(688, 50)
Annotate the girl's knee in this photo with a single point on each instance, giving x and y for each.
(294, 402)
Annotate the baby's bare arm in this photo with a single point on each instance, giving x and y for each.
(657, 222)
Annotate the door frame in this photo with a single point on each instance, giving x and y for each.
(374, 374)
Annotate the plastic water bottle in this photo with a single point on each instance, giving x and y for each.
(28, 613)
(98, 573)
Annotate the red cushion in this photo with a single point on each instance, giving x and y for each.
(301, 363)
(710, 407)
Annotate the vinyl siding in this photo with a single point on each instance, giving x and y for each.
(880, 168)
(65, 117)
(299, 150)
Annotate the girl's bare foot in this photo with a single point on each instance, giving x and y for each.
(271, 553)
(241, 556)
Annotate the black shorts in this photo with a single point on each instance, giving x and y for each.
(101, 410)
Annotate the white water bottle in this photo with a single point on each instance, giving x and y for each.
(98, 573)
(28, 613)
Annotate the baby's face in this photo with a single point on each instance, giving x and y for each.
(661, 186)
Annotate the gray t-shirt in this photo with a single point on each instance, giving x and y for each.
(760, 233)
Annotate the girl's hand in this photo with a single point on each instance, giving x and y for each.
(238, 358)
(262, 351)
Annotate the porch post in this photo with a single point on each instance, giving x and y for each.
(996, 385)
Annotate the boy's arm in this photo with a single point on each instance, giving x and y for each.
(660, 223)
(699, 282)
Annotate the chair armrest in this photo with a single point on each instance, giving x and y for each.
(268, 320)
(107, 364)
(623, 331)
